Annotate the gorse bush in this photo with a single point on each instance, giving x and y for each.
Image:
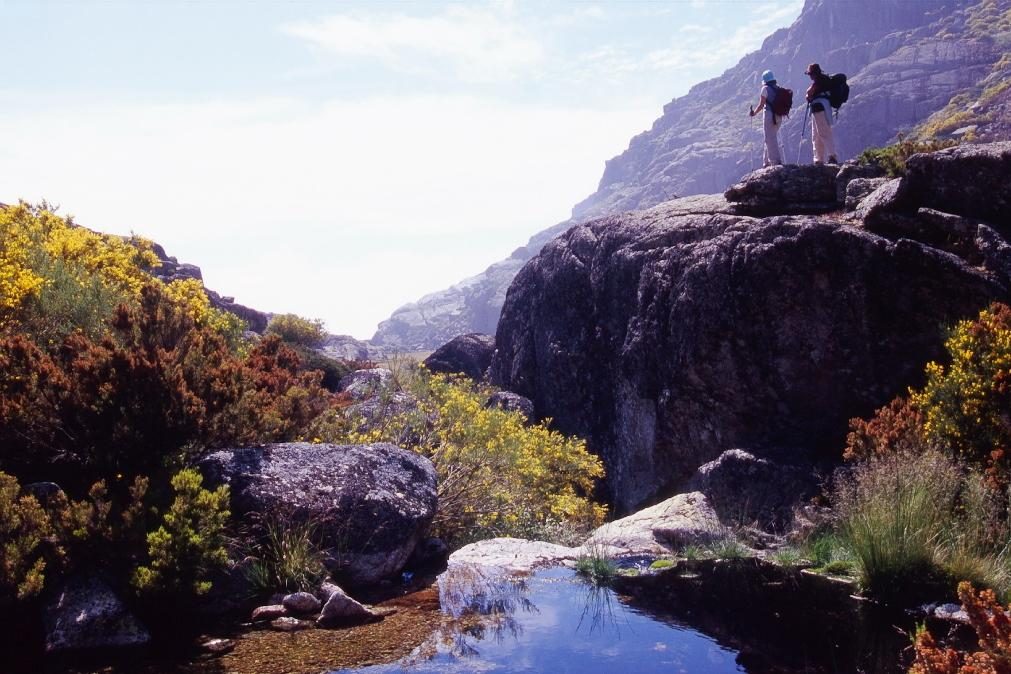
(297, 330)
(967, 403)
(190, 542)
(497, 474)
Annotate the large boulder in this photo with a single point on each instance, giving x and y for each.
(363, 384)
(744, 489)
(372, 503)
(778, 190)
(969, 180)
(665, 339)
(512, 555)
(468, 355)
(85, 614)
(685, 519)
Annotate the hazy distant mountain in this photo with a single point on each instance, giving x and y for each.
(923, 67)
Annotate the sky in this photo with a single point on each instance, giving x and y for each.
(340, 159)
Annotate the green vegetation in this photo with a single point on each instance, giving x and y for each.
(787, 557)
(190, 543)
(594, 565)
(660, 564)
(297, 330)
(24, 526)
(727, 547)
(892, 158)
(498, 476)
(286, 557)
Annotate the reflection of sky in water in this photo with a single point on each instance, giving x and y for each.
(553, 623)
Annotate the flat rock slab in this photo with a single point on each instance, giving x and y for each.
(678, 521)
(513, 555)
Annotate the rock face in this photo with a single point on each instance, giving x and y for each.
(362, 384)
(666, 339)
(905, 60)
(86, 614)
(373, 503)
(680, 520)
(789, 189)
(469, 355)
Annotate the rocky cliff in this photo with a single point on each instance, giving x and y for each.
(926, 67)
(669, 335)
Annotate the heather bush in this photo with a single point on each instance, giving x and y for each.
(892, 158)
(190, 542)
(992, 624)
(896, 427)
(294, 329)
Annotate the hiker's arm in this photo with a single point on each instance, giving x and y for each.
(761, 106)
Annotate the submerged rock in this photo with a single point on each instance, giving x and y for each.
(680, 520)
(468, 355)
(290, 624)
(371, 503)
(269, 612)
(86, 615)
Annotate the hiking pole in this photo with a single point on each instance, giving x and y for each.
(803, 129)
(752, 142)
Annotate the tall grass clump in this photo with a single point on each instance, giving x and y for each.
(915, 521)
(286, 556)
(596, 566)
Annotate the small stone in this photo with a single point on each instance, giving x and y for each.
(301, 602)
(289, 624)
(264, 613)
(340, 609)
(218, 646)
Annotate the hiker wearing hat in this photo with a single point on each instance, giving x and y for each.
(772, 120)
(821, 118)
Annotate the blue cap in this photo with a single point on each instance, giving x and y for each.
(767, 76)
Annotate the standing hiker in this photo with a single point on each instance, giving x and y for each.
(767, 102)
(821, 119)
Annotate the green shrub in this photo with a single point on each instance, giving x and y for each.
(24, 526)
(286, 557)
(892, 158)
(692, 552)
(190, 543)
(659, 564)
(294, 329)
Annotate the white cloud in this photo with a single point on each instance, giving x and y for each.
(480, 45)
(342, 210)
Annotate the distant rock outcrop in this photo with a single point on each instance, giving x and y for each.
(921, 68)
(667, 338)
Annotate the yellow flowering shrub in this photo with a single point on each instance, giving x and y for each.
(966, 404)
(55, 274)
(497, 474)
(190, 297)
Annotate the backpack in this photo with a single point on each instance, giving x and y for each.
(782, 102)
(839, 92)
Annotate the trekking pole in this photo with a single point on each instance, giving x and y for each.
(752, 143)
(803, 129)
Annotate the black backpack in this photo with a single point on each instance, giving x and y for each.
(839, 92)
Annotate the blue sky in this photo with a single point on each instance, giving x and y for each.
(338, 159)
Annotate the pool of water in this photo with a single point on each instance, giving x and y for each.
(553, 622)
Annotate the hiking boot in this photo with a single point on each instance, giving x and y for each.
(832, 159)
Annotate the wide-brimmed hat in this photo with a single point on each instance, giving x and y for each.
(813, 69)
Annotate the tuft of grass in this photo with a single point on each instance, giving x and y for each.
(787, 557)
(839, 567)
(728, 547)
(596, 566)
(286, 557)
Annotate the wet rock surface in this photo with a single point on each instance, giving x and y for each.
(468, 355)
(372, 503)
(85, 614)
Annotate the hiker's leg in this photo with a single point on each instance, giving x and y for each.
(829, 139)
(772, 156)
(819, 128)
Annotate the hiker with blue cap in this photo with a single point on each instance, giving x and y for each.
(776, 102)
